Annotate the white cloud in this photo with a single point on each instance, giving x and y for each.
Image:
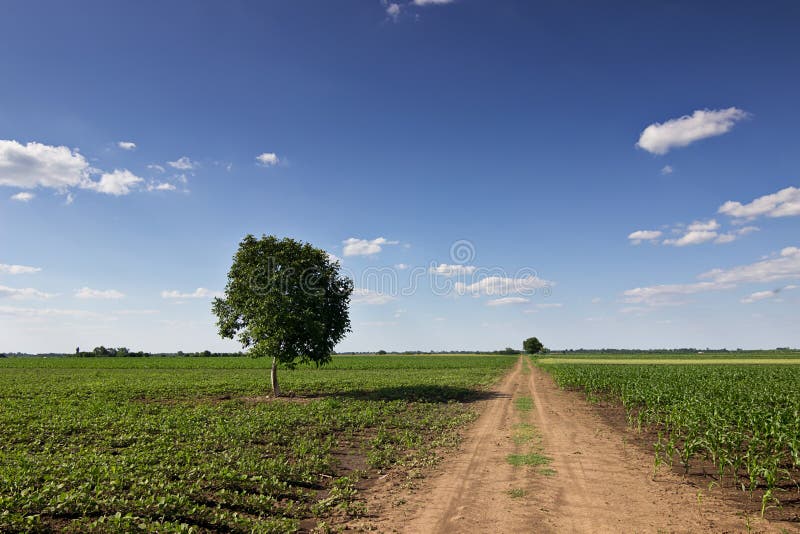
(733, 236)
(56, 167)
(784, 203)
(401, 266)
(696, 233)
(127, 145)
(597, 300)
(660, 138)
(664, 295)
(198, 293)
(23, 197)
(432, 2)
(89, 293)
(5, 268)
(160, 186)
(157, 168)
(12, 311)
(135, 312)
(725, 238)
(393, 10)
(763, 295)
(37, 165)
(667, 169)
(638, 236)
(24, 293)
(548, 305)
(452, 270)
(785, 266)
(365, 247)
(704, 226)
(692, 237)
(507, 301)
(268, 159)
(117, 183)
(362, 295)
(183, 164)
(498, 285)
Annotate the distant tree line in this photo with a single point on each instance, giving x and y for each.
(683, 350)
(123, 352)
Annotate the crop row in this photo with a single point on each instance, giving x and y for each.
(745, 420)
(200, 448)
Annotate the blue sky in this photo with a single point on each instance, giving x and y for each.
(502, 155)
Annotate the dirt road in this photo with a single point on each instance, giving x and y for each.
(595, 481)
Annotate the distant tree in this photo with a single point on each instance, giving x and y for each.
(532, 345)
(509, 351)
(381, 352)
(284, 299)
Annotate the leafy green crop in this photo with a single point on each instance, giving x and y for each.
(192, 445)
(745, 419)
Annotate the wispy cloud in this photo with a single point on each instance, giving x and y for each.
(784, 266)
(6, 268)
(365, 247)
(105, 294)
(696, 233)
(771, 294)
(508, 301)
(639, 236)
(24, 293)
(444, 269)
(199, 293)
(127, 145)
(660, 138)
(184, 163)
(362, 295)
(501, 285)
(23, 196)
(784, 203)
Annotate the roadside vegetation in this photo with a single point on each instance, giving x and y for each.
(740, 421)
(193, 445)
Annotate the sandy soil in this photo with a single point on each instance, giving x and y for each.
(601, 483)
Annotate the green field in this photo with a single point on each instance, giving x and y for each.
(744, 420)
(193, 444)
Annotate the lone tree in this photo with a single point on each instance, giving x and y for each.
(285, 299)
(532, 345)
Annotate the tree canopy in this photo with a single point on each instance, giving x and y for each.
(532, 345)
(284, 299)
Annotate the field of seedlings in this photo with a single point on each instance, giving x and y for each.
(744, 420)
(194, 444)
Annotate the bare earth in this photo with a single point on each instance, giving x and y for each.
(600, 483)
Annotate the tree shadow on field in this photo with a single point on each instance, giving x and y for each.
(422, 393)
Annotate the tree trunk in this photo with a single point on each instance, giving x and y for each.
(276, 390)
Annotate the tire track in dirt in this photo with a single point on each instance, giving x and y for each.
(601, 483)
(470, 494)
(604, 484)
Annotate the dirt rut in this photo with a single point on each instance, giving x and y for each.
(598, 482)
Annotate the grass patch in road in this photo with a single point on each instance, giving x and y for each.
(523, 404)
(524, 433)
(516, 493)
(531, 459)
